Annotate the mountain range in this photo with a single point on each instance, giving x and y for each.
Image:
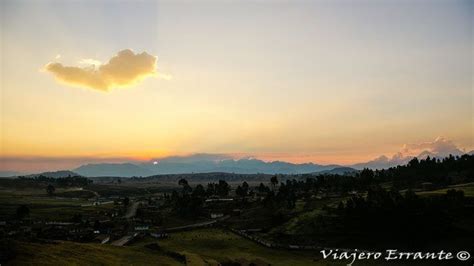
(199, 163)
(207, 163)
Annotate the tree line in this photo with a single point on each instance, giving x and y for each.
(69, 181)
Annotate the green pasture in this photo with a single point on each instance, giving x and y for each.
(221, 245)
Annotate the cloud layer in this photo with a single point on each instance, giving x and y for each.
(439, 147)
(123, 70)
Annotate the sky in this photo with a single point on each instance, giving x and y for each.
(300, 81)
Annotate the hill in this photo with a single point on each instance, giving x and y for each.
(56, 174)
(70, 253)
(9, 173)
(339, 171)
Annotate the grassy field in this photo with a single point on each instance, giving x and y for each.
(218, 245)
(310, 211)
(69, 253)
(468, 189)
(43, 207)
(201, 247)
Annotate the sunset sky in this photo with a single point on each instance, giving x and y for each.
(320, 81)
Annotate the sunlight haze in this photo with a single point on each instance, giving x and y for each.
(300, 81)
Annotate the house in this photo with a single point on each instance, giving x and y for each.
(218, 200)
(216, 215)
(352, 193)
(142, 228)
(159, 235)
(236, 212)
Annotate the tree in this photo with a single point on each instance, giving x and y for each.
(22, 212)
(97, 225)
(367, 176)
(222, 188)
(211, 189)
(199, 191)
(76, 218)
(50, 190)
(174, 196)
(262, 188)
(291, 200)
(186, 187)
(455, 198)
(183, 182)
(413, 162)
(270, 201)
(126, 201)
(239, 191)
(245, 188)
(274, 181)
(340, 207)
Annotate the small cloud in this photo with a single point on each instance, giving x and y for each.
(57, 56)
(123, 70)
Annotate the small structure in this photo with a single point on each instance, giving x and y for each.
(103, 239)
(159, 235)
(216, 215)
(427, 186)
(142, 228)
(236, 212)
(218, 200)
(252, 230)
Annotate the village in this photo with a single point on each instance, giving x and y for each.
(121, 220)
(294, 216)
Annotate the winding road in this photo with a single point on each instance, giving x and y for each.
(196, 225)
(132, 210)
